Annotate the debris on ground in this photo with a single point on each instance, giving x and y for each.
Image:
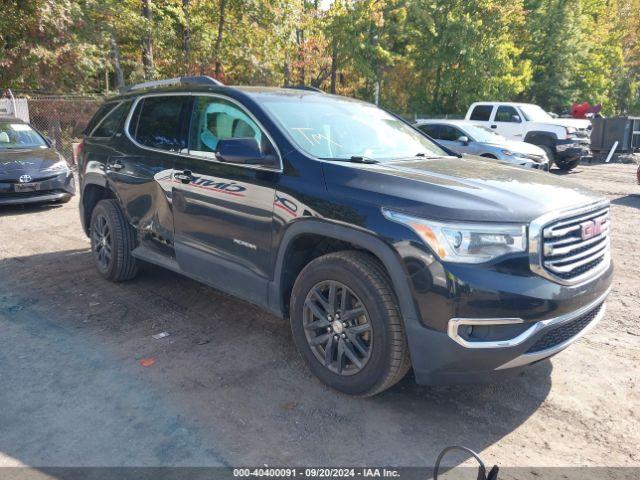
(147, 362)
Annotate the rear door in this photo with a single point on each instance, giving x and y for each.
(448, 136)
(482, 114)
(223, 212)
(140, 167)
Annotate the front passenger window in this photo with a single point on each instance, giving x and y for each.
(507, 114)
(216, 119)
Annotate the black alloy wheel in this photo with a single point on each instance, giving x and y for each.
(347, 325)
(101, 240)
(337, 327)
(112, 241)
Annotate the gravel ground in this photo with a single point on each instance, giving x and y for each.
(227, 387)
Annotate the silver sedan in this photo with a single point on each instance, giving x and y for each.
(464, 136)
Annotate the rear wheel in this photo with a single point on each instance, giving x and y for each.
(346, 324)
(112, 240)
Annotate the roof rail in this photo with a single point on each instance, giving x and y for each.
(305, 87)
(196, 80)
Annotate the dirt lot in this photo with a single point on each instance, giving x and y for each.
(228, 388)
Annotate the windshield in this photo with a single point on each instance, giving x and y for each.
(334, 128)
(483, 134)
(19, 135)
(533, 113)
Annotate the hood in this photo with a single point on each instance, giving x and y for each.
(578, 123)
(519, 147)
(457, 189)
(16, 162)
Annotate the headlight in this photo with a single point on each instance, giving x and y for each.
(571, 132)
(465, 242)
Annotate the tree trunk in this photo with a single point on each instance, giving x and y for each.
(186, 37)
(287, 75)
(115, 58)
(436, 89)
(303, 71)
(221, 20)
(334, 67)
(147, 42)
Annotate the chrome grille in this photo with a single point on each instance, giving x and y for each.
(576, 247)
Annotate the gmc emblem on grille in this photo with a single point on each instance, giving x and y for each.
(592, 228)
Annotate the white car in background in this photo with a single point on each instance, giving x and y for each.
(565, 140)
(463, 136)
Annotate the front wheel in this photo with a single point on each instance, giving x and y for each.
(346, 324)
(551, 155)
(567, 165)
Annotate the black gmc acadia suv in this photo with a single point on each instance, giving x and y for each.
(384, 249)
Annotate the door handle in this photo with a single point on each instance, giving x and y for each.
(494, 126)
(184, 177)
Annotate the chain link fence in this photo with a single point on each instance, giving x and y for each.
(62, 118)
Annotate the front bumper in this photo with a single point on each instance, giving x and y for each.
(573, 148)
(529, 163)
(52, 189)
(517, 318)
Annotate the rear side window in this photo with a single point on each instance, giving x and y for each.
(99, 115)
(109, 125)
(481, 113)
(158, 122)
(431, 130)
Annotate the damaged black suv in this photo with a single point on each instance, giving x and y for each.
(384, 250)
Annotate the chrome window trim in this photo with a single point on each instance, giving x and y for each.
(454, 323)
(536, 228)
(196, 157)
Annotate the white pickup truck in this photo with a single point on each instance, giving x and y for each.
(565, 140)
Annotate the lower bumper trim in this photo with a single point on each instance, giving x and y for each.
(19, 200)
(528, 358)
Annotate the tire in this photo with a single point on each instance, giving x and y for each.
(112, 240)
(567, 165)
(488, 155)
(373, 324)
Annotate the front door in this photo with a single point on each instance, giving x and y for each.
(222, 211)
(507, 122)
(449, 136)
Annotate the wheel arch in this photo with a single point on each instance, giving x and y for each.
(335, 237)
(93, 191)
(538, 137)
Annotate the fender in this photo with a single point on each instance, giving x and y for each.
(538, 137)
(359, 237)
(90, 179)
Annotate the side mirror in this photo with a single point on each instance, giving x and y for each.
(516, 118)
(464, 140)
(241, 150)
